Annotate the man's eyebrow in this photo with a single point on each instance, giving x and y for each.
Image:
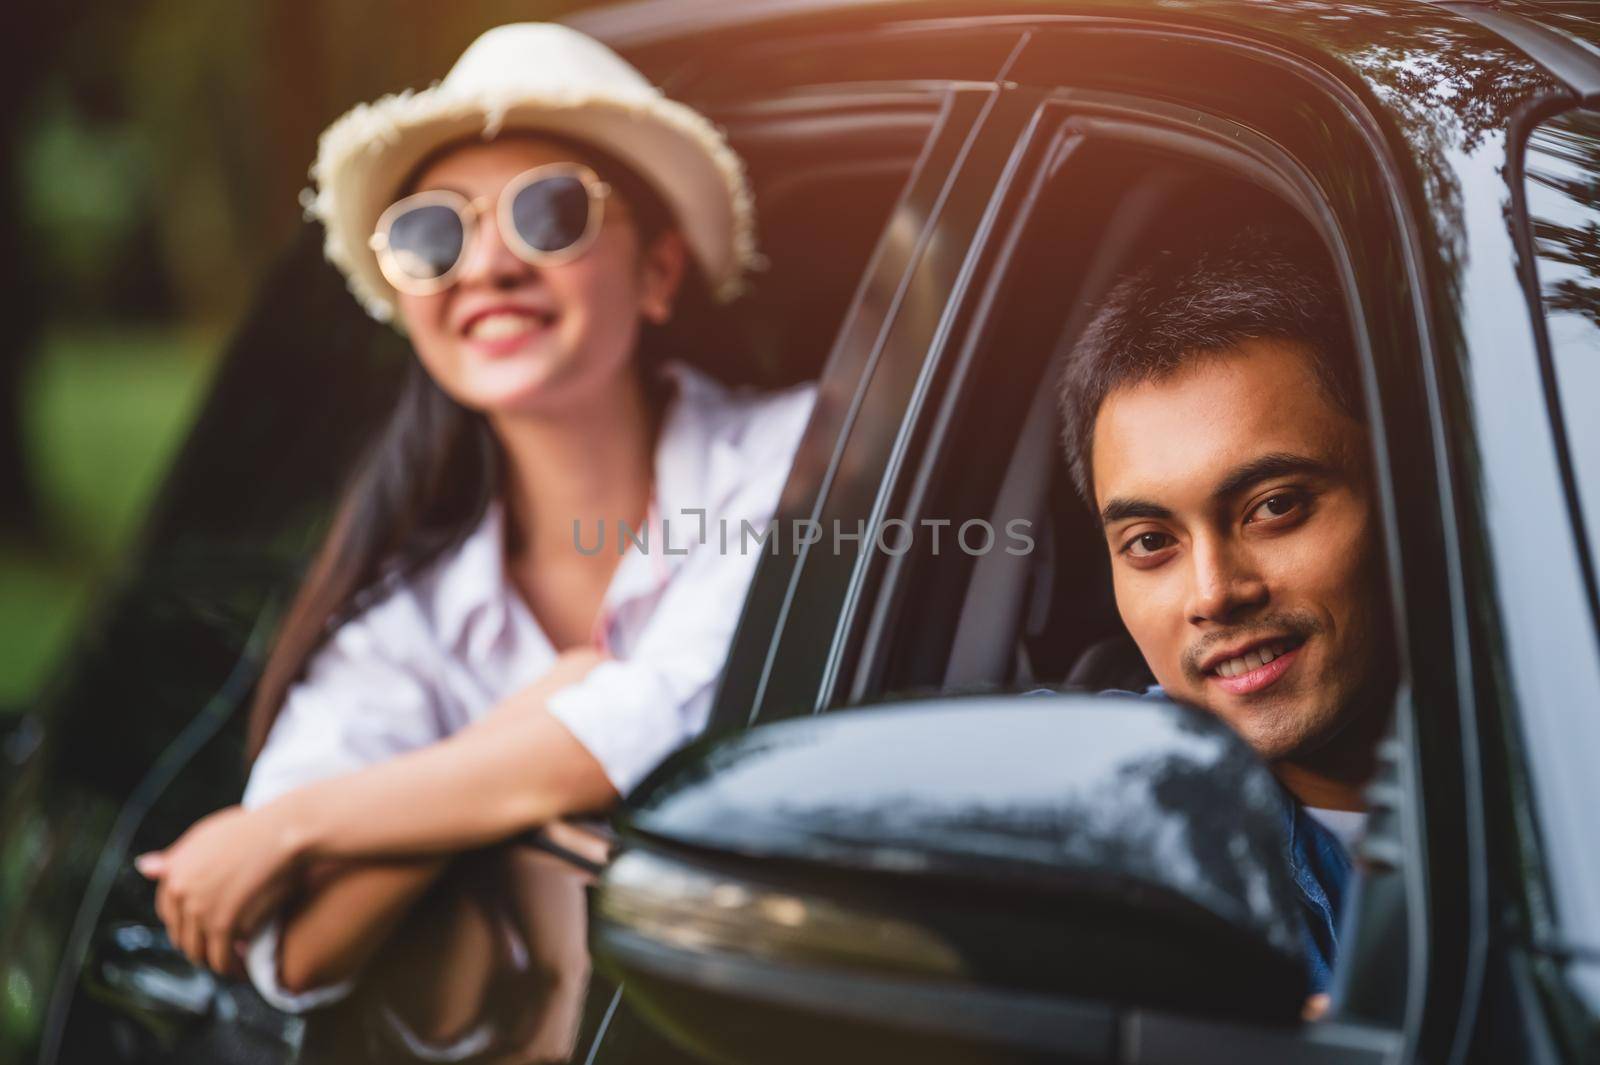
(1124, 509)
(1276, 464)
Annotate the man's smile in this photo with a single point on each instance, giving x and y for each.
(1247, 668)
(1257, 678)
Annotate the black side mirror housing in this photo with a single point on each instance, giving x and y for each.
(930, 869)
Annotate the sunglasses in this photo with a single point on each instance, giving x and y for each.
(547, 216)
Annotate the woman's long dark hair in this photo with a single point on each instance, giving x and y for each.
(424, 484)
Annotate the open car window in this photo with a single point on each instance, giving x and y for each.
(1006, 584)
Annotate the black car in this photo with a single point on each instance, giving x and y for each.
(944, 188)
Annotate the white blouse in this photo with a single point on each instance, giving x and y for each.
(436, 652)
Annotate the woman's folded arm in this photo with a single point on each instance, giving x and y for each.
(347, 913)
(513, 770)
(347, 908)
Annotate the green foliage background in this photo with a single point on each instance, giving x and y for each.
(157, 150)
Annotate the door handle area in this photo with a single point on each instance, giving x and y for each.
(137, 971)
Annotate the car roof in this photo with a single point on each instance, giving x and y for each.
(630, 25)
(1367, 37)
(1579, 19)
(637, 22)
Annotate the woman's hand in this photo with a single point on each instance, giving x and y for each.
(220, 880)
(569, 668)
(515, 769)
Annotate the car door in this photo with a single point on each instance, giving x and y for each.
(142, 733)
(964, 434)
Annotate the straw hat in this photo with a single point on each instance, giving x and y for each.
(541, 77)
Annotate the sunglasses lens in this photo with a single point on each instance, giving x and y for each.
(426, 241)
(551, 214)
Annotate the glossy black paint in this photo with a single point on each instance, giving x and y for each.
(1087, 812)
(958, 788)
(1410, 119)
(1076, 930)
(1554, 184)
(167, 659)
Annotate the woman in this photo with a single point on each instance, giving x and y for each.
(502, 653)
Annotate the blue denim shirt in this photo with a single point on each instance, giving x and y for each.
(1321, 870)
(1318, 864)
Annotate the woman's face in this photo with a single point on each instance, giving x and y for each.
(509, 338)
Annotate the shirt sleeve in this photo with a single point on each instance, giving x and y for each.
(357, 705)
(630, 714)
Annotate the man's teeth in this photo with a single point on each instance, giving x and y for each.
(503, 324)
(1250, 660)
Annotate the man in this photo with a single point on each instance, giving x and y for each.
(1213, 423)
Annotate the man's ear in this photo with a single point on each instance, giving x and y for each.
(662, 267)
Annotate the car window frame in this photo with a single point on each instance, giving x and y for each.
(846, 377)
(780, 657)
(1528, 270)
(1562, 967)
(1061, 123)
(1429, 790)
(1438, 942)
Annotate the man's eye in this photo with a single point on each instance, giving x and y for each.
(1148, 543)
(1274, 507)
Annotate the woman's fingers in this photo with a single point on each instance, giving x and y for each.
(219, 950)
(190, 940)
(255, 911)
(568, 669)
(167, 910)
(172, 907)
(183, 914)
(216, 882)
(217, 930)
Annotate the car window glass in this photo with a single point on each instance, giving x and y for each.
(1562, 183)
(1547, 444)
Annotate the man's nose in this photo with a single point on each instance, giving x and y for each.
(488, 260)
(1226, 585)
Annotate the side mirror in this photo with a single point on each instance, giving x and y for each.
(973, 879)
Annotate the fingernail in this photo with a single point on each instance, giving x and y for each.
(148, 864)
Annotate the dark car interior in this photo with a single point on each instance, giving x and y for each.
(826, 176)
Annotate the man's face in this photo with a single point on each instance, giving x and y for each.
(1237, 508)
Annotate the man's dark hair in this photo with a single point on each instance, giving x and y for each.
(1186, 305)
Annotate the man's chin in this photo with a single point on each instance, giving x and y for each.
(1273, 727)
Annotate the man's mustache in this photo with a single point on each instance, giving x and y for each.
(1288, 625)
